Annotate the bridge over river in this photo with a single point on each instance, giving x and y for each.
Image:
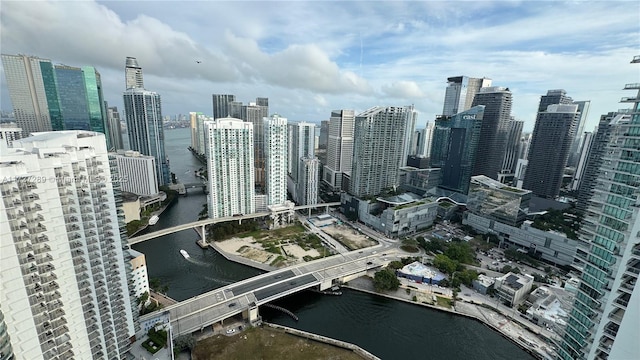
(244, 297)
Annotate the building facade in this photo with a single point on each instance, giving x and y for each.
(229, 146)
(493, 199)
(137, 173)
(139, 274)
(339, 147)
(143, 112)
(9, 133)
(379, 146)
(64, 275)
(495, 128)
(454, 147)
(512, 289)
(549, 151)
(276, 154)
(27, 92)
(460, 93)
(603, 323)
(133, 74)
(307, 184)
(114, 129)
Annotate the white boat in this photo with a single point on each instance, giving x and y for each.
(185, 254)
(154, 220)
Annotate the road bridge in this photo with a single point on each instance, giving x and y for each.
(205, 222)
(244, 297)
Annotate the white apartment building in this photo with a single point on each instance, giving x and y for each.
(276, 162)
(137, 173)
(64, 277)
(307, 186)
(10, 133)
(339, 147)
(230, 167)
(139, 275)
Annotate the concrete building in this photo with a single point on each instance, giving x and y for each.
(412, 117)
(378, 150)
(421, 274)
(27, 92)
(581, 167)
(339, 147)
(198, 131)
(230, 167)
(301, 140)
(494, 131)
(323, 137)
(550, 145)
(9, 133)
(133, 74)
(395, 216)
(137, 173)
(419, 181)
(512, 151)
(114, 130)
(512, 289)
(454, 147)
(307, 184)
(460, 92)
(604, 321)
(143, 111)
(139, 275)
(64, 272)
(492, 199)
(549, 307)
(276, 147)
(483, 283)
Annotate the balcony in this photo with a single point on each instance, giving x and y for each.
(628, 99)
(631, 86)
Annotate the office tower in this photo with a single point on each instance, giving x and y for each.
(114, 130)
(379, 140)
(412, 117)
(460, 93)
(133, 74)
(523, 148)
(27, 92)
(323, 138)
(513, 146)
(301, 144)
(137, 173)
(64, 274)
(558, 96)
(603, 323)
(221, 106)
(193, 121)
(582, 161)
(425, 140)
(594, 160)
(576, 146)
(255, 113)
(551, 141)
(339, 147)
(276, 153)
(9, 133)
(229, 146)
(143, 114)
(307, 184)
(454, 147)
(495, 127)
(492, 199)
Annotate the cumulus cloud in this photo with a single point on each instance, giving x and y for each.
(403, 90)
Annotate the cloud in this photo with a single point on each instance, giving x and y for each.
(403, 90)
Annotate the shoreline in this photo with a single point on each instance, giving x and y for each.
(157, 212)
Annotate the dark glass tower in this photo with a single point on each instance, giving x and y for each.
(495, 129)
(454, 147)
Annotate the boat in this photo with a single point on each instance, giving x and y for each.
(185, 254)
(154, 220)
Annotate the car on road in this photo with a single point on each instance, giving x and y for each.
(232, 305)
(369, 263)
(231, 331)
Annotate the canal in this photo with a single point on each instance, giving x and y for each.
(388, 329)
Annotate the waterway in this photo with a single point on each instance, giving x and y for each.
(389, 329)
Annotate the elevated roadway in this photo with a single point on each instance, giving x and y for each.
(245, 296)
(202, 223)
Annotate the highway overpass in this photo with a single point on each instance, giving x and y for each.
(246, 296)
(202, 223)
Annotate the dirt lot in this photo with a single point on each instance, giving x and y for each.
(264, 343)
(349, 237)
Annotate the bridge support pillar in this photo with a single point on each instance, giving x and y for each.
(253, 315)
(326, 209)
(309, 212)
(203, 234)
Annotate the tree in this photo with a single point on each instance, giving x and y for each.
(445, 264)
(143, 298)
(184, 342)
(395, 265)
(460, 252)
(385, 280)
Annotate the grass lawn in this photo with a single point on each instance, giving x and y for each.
(266, 343)
(444, 302)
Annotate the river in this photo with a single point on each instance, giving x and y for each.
(389, 329)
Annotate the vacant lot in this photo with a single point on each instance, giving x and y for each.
(264, 343)
(349, 237)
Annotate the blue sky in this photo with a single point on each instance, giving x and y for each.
(311, 57)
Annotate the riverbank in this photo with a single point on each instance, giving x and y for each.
(172, 200)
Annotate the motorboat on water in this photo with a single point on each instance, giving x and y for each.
(185, 254)
(154, 220)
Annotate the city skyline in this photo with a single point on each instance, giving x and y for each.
(372, 54)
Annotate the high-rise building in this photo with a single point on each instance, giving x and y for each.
(27, 92)
(221, 107)
(412, 117)
(558, 96)
(495, 128)
(425, 140)
(137, 173)
(378, 149)
(307, 184)
(460, 93)
(513, 146)
(603, 323)
(133, 74)
(9, 133)
(114, 129)
(139, 275)
(582, 161)
(229, 146)
(143, 114)
(551, 141)
(276, 153)
(323, 138)
(65, 277)
(339, 147)
(454, 148)
(301, 144)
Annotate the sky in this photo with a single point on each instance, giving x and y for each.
(312, 57)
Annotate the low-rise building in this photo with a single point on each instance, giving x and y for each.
(421, 273)
(483, 283)
(549, 307)
(494, 200)
(136, 173)
(513, 288)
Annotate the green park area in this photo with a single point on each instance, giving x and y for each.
(266, 343)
